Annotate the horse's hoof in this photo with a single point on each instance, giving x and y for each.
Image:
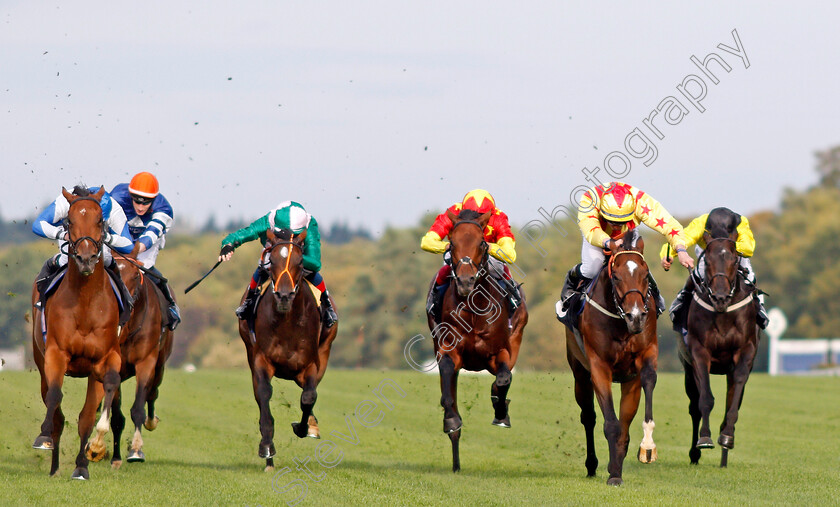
(313, 431)
(267, 451)
(136, 456)
(726, 441)
(95, 455)
(80, 474)
(300, 430)
(705, 443)
(647, 455)
(614, 481)
(43, 443)
(268, 469)
(452, 424)
(502, 423)
(151, 424)
(115, 465)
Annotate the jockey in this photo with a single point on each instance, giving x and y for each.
(608, 214)
(744, 245)
(286, 215)
(149, 217)
(497, 234)
(50, 224)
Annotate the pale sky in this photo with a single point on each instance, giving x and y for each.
(376, 112)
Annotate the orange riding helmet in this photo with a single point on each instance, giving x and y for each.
(144, 184)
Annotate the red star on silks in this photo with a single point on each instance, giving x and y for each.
(660, 222)
(645, 210)
(674, 232)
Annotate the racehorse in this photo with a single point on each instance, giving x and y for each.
(722, 335)
(619, 344)
(145, 345)
(80, 337)
(475, 332)
(288, 340)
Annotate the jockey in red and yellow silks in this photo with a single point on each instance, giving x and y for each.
(605, 215)
(744, 245)
(497, 234)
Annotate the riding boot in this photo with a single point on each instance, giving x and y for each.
(42, 282)
(573, 283)
(174, 312)
(434, 304)
(761, 317)
(654, 290)
(678, 307)
(514, 297)
(127, 298)
(246, 308)
(330, 317)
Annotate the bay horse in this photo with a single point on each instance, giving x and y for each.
(145, 345)
(80, 337)
(618, 344)
(288, 340)
(476, 331)
(722, 335)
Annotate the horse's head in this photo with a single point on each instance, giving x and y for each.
(628, 273)
(286, 256)
(130, 272)
(468, 248)
(721, 269)
(85, 227)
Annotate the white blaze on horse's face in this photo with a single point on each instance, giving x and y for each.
(83, 211)
(632, 266)
(284, 252)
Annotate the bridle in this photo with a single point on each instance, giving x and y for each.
(467, 260)
(74, 244)
(619, 301)
(733, 284)
(287, 267)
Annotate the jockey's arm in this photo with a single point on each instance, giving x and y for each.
(312, 247)
(120, 237)
(589, 222)
(745, 245)
(432, 242)
(504, 250)
(693, 234)
(48, 224)
(159, 225)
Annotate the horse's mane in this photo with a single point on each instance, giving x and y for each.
(631, 237)
(468, 214)
(722, 222)
(81, 190)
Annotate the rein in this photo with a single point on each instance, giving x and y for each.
(702, 283)
(619, 301)
(468, 260)
(286, 270)
(74, 245)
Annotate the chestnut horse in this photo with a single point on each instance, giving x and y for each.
(619, 344)
(81, 321)
(145, 345)
(722, 335)
(476, 332)
(288, 340)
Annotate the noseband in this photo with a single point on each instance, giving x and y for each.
(619, 301)
(74, 245)
(733, 284)
(286, 268)
(467, 260)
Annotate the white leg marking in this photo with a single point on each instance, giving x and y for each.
(647, 440)
(137, 442)
(104, 422)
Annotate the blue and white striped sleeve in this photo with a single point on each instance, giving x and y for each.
(159, 224)
(48, 224)
(118, 229)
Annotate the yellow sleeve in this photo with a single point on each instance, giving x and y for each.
(589, 223)
(431, 242)
(746, 241)
(504, 250)
(655, 216)
(693, 234)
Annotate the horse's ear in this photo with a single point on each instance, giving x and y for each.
(269, 233)
(135, 251)
(99, 193)
(67, 195)
(707, 237)
(452, 216)
(640, 244)
(302, 236)
(484, 219)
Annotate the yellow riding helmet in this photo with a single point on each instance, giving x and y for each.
(144, 184)
(618, 204)
(479, 200)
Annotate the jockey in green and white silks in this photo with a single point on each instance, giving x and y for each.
(292, 216)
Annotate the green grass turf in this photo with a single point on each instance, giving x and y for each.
(205, 450)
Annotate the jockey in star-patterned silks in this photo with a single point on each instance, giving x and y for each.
(292, 216)
(604, 214)
(744, 245)
(149, 217)
(50, 224)
(497, 234)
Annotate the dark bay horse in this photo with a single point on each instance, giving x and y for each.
(145, 345)
(81, 320)
(722, 335)
(474, 332)
(619, 344)
(288, 340)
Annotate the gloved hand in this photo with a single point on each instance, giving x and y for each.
(226, 253)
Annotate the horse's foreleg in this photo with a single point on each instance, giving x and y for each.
(307, 401)
(52, 380)
(152, 419)
(117, 427)
(145, 371)
(706, 400)
(631, 393)
(694, 411)
(449, 401)
(647, 377)
(499, 390)
(602, 384)
(87, 452)
(110, 383)
(261, 377)
(736, 381)
(584, 395)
